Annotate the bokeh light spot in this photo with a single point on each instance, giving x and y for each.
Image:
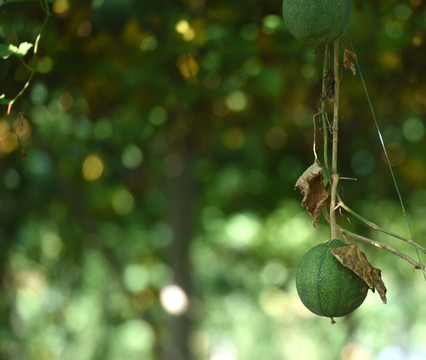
(233, 138)
(237, 101)
(11, 179)
(45, 65)
(84, 29)
(413, 129)
(39, 93)
(136, 277)
(149, 43)
(157, 115)
(187, 66)
(60, 6)
(274, 273)
(51, 245)
(132, 156)
(275, 138)
(242, 230)
(185, 29)
(93, 167)
(271, 23)
(103, 129)
(122, 201)
(174, 299)
(134, 337)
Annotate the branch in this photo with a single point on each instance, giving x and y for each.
(366, 240)
(377, 227)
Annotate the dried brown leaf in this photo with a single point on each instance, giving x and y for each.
(355, 260)
(349, 60)
(312, 188)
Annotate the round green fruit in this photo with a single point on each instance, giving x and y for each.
(316, 21)
(325, 286)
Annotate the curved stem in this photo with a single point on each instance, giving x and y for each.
(364, 239)
(377, 227)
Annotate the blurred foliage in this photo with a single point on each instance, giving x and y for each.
(156, 217)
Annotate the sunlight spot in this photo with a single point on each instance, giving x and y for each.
(413, 129)
(157, 115)
(136, 336)
(242, 230)
(187, 66)
(93, 167)
(149, 43)
(51, 245)
(237, 101)
(45, 64)
(274, 273)
(185, 29)
(135, 277)
(132, 156)
(174, 299)
(122, 201)
(60, 6)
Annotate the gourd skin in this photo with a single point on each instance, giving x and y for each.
(326, 287)
(316, 22)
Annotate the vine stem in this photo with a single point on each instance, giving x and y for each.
(335, 133)
(325, 126)
(366, 240)
(377, 227)
(31, 68)
(356, 237)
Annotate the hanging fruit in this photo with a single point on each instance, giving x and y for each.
(325, 286)
(316, 22)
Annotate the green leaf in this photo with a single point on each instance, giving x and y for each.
(7, 50)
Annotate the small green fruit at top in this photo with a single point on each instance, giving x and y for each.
(325, 286)
(316, 22)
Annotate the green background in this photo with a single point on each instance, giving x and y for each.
(163, 142)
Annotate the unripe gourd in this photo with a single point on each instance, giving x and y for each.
(325, 286)
(316, 21)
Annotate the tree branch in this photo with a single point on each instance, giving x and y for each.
(366, 240)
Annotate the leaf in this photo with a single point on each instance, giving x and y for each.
(8, 49)
(312, 187)
(354, 259)
(349, 61)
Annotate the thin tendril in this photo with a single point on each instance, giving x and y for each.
(386, 154)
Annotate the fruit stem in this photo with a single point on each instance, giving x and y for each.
(335, 132)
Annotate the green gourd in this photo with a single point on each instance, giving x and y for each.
(325, 286)
(316, 22)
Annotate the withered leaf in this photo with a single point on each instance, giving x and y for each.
(349, 60)
(315, 196)
(355, 260)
